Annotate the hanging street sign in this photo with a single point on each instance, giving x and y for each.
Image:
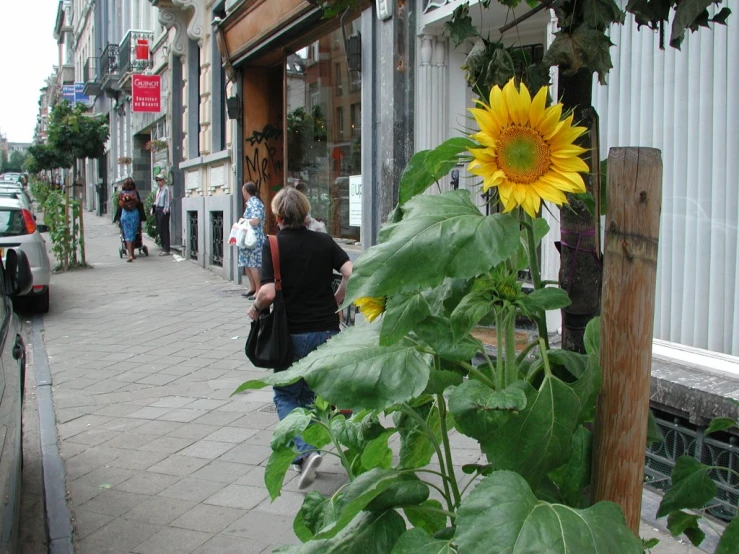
(147, 92)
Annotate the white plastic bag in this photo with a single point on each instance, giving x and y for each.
(246, 236)
(234, 234)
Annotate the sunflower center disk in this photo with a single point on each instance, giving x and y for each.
(522, 154)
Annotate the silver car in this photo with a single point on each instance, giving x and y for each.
(18, 229)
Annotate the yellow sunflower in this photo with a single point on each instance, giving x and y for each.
(372, 307)
(527, 149)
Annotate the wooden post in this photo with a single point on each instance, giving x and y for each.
(630, 268)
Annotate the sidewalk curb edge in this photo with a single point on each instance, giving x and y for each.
(58, 516)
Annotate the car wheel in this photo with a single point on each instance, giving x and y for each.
(41, 302)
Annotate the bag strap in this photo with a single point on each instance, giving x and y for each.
(275, 250)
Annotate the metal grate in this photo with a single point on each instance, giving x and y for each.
(216, 238)
(192, 234)
(681, 438)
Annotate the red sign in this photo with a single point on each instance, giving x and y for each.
(142, 49)
(147, 91)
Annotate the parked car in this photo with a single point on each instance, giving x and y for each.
(11, 176)
(15, 280)
(18, 229)
(20, 195)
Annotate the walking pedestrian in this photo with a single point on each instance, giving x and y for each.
(251, 258)
(129, 215)
(162, 206)
(307, 264)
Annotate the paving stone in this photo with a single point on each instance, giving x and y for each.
(131, 440)
(209, 519)
(139, 460)
(261, 525)
(121, 533)
(193, 489)
(158, 428)
(160, 510)
(287, 504)
(218, 418)
(147, 482)
(238, 496)
(235, 435)
(81, 492)
(106, 477)
(150, 413)
(123, 424)
(178, 465)
(132, 376)
(207, 449)
(173, 540)
(114, 503)
(224, 544)
(157, 379)
(169, 445)
(222, 472)
(87, 522)
(183, 415)
(195, 431)
(256, 420)
(172, 402)
(247, 454)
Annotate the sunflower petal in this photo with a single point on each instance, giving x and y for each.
(570, 165)
(538, 108)
(549, 192)
(512, 100)
(550, 124)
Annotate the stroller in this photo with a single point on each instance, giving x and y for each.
(138, 244)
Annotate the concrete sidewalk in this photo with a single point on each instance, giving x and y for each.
(159, 458)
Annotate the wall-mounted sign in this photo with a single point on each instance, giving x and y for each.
(355, 201)
(147, 93)
(79, 95)
(384, 9)
(68, 93)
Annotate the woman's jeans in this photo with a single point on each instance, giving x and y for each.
(298, 394)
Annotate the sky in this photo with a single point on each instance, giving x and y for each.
(28, 53)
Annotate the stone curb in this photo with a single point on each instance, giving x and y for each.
(58, 516)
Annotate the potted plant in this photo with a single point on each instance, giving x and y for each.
(125, 160)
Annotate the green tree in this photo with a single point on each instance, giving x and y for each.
(73, 135)
(15, 163)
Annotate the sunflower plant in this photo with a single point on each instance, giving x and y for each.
(415, 374)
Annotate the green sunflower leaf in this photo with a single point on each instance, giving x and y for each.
(721, 424)
(525, 524)
(418, 541)
(277, 466)
(548, 298)
(729, 539)
(429, 521)
(357, 495)
(293, 425)
(692, 487)
(680, 522)
(428, 166)
(480, 411)
(401, 314)
(439, 236)
(368, 533)
(354, 372)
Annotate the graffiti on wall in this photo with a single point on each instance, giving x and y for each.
(261, 160)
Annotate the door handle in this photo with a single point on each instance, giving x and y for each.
(19, 349)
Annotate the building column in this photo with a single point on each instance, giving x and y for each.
(432, 102)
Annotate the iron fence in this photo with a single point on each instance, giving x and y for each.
(681, 438)
(216, 238)
(192, 234)
(108, 62)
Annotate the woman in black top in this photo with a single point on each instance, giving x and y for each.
(307, 261)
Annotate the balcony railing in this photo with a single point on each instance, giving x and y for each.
(90, 77)
(108, 65)
(134, 52)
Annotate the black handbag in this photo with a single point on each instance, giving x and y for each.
(269, 343)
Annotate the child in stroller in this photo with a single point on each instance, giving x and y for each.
(138, 245)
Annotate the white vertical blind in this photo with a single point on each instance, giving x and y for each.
(678, 101)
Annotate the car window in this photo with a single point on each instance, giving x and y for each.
(12, 223)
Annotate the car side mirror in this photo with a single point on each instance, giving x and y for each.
(18, 276)
(42, 228)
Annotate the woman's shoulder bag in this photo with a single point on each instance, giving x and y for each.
(269, 343)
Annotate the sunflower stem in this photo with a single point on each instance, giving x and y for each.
(541, 324)
(510, 348)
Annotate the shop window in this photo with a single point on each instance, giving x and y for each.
(340, 122)
(339, 82)
(324, 132)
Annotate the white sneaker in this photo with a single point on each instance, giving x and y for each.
(308, 473)
(297, 468)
